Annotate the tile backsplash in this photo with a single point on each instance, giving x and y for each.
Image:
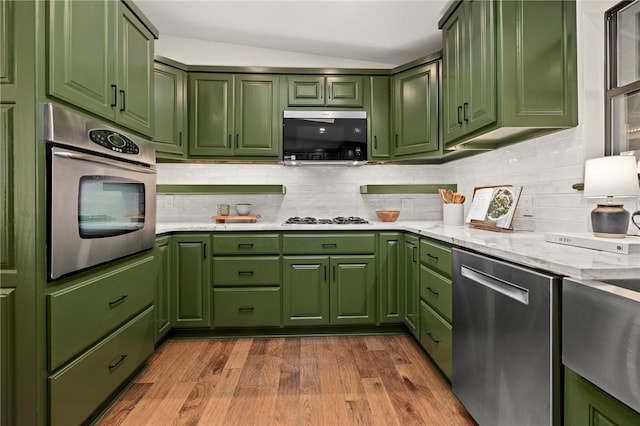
(546, 167)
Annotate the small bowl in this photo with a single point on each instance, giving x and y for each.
(388, 215)
(243, 209)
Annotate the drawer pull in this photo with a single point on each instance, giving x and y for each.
(329, 245)
(245, 273)
(114, 302)
(246, 309)
(432, 291)
(430, 256)
(117, 362)
(245, 245)
(430, 335)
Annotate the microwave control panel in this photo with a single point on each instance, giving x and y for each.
(114, 141)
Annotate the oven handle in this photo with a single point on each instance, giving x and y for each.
(106, 161)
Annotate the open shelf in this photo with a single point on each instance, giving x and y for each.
(407, 189)
(220, 189)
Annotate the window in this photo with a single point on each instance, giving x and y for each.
(622, 108)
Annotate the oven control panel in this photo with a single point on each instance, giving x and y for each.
(114, 141)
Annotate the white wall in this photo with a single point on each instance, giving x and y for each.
(545, 166)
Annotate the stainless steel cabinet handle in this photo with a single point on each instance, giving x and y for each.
(114, 302)
(501, 286)
(117, 362)
(102, 160)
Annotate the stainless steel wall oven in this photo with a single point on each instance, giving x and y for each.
(100, 192)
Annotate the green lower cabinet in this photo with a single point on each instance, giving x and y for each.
(435, 337)
(329, 290)
(587, 405)
(77, 390)
(246, 307)
(162, 301)
(411, 283)
(390, 276)
(7, 356)
(191, 293)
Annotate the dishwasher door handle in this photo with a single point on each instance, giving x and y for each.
(513, 291)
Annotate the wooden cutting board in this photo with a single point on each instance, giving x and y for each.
(235, 219)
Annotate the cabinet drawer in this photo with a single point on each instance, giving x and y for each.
(436, 291)
(246, 270)
(246, 307)
(436, 256)
(435, 337)
(246, 243)
(78, 390)
(85, 313)
(320, 243)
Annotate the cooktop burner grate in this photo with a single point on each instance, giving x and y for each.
(340, 220)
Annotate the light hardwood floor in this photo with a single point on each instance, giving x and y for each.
(369, 380)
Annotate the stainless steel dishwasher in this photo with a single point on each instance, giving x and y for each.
(506, 353)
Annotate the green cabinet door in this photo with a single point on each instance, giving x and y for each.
(170, 128)
(210, 114)
(7, 356)
(379, 118)
(135, 73)
(587, 405)
(469, 70)
(8, 194)
(257, 133)
(390, 278)
(352, 290)
(82, 61)
(311, 90)
(162, 301)
(345, 91)
(415, 110)
(191, 298)
(305, 287)
(411, 284)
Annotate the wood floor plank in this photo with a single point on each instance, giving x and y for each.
(323, 381)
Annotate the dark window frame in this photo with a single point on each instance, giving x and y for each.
(611, 71)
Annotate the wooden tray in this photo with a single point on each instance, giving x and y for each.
(235, 219)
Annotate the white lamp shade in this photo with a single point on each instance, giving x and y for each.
(613, 176)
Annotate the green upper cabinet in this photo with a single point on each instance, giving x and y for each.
(101, 60)
(335, 91)
(509, 71)
(233, 115)
(170, 130)
(415, 110)
(7, 43)
(380, 118)
(469, 70)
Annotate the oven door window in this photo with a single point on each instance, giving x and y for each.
(109, 206)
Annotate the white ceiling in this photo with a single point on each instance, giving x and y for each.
(389, 31)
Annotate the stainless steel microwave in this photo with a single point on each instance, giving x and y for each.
(324, 137)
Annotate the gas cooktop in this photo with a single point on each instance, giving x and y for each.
(351, 220)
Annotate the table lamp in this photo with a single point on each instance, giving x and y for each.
(610, 178)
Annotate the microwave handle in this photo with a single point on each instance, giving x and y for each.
(106, 161)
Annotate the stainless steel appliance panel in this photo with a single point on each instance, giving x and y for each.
(101, 192)
(601, 335)
(505, 341)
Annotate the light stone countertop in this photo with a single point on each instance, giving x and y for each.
(521, 247)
